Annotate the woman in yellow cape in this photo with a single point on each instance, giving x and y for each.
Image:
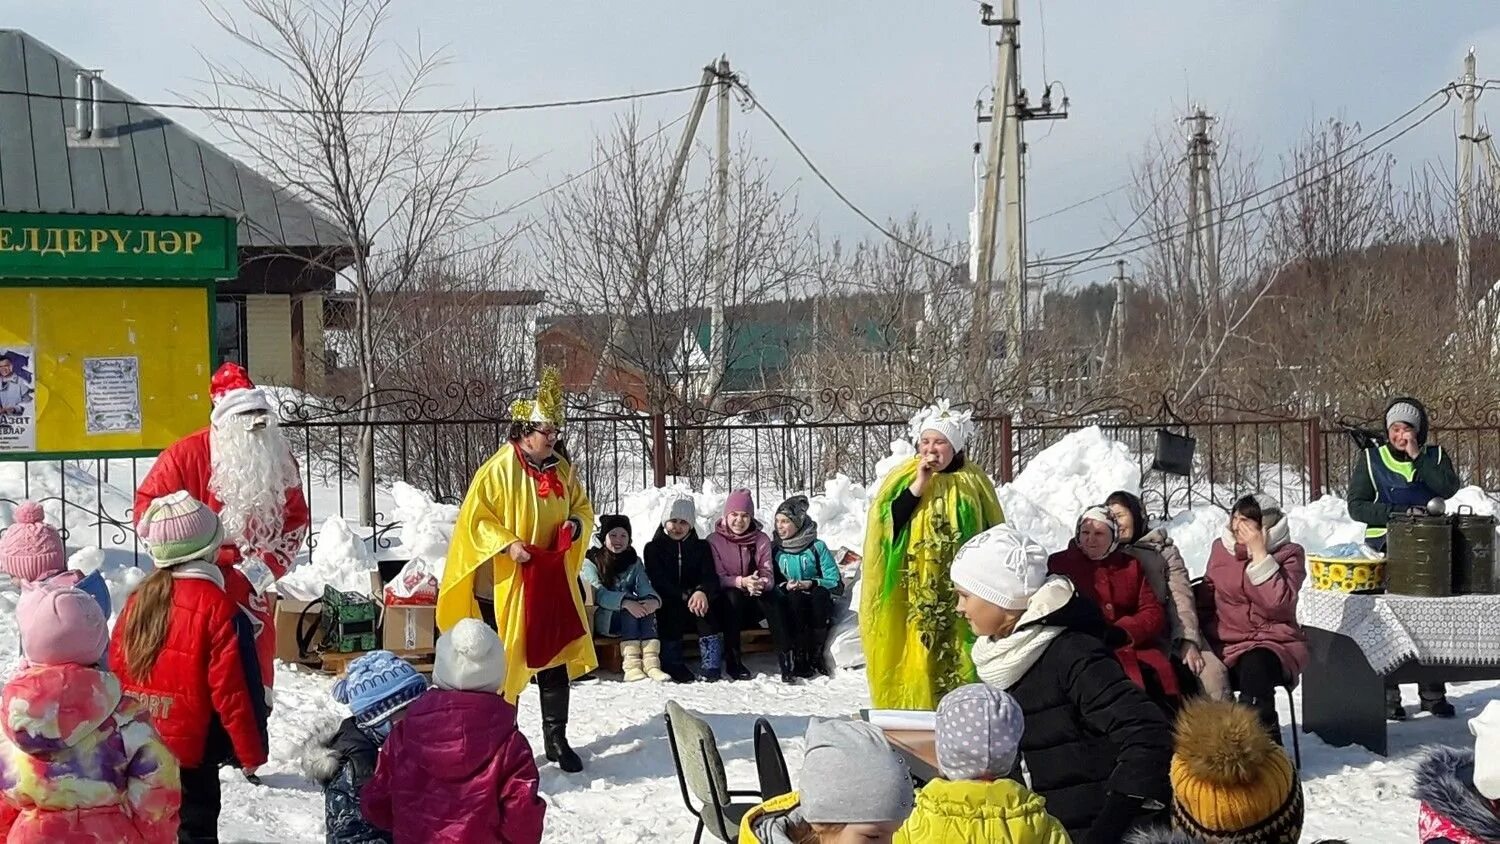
(514, 562)
(916, 648)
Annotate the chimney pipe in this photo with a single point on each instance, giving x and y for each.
(96, 92)
(78, 103)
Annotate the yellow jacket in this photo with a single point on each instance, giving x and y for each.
(502, 506)
(998, 812)
(776, 806)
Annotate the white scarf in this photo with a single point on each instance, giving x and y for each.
(1003, 662)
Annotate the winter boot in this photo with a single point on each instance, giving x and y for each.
(734, 665)
(671, 662)
(1435, 700)
(788, 673)
(1265, 710)
(1394, 711)
(711, 657)
(552, 686)
(630, 661)
(802, 665)
(651, 661)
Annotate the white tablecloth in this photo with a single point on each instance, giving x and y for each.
(1390, 629)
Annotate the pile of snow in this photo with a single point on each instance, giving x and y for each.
(1066, 478)
(1324, 524)
(426, 527)
(340, 560)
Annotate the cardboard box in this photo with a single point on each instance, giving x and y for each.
(409, 628)
(288, 614)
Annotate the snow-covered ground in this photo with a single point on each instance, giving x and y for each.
(628, 791)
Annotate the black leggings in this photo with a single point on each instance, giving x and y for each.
(199, 816)
(738, 610)
(807, 614)
(674, 620)
(1256, 675)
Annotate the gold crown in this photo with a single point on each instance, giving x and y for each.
(548, 406)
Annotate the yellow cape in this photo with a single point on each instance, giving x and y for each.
(502, 507)
(916, 646)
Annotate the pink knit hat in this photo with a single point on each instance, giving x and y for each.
(61, 625)
(178, 528)
(31, 549)
(739, 501)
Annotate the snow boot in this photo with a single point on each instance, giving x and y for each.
(788, 673)
(651, 661)
(630, 661)
(671, 662)
(802, 665)
(1435, 700)
(711, 657)
(734, 664)
(1394, 711)
(552, 686)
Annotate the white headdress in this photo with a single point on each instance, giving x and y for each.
(957, 426)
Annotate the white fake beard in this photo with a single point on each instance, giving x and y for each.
(251, 473)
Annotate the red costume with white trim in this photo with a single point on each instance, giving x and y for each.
(189, 465)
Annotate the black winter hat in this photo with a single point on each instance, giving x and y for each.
(609, 523)
(795, 509)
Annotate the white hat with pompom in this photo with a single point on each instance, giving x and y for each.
(469, 658)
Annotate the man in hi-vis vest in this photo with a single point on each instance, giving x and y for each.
(1406, 472)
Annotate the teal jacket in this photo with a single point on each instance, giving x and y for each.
(631, 585)
(814, 563)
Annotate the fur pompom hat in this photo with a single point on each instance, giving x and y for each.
(1231, 783)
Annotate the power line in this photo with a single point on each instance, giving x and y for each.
(370, 112)
(830, 185)
(1067, 262)
(1080, 203)
(1145, 207)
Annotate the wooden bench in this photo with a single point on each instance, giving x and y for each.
(752, 641)
(337, 663)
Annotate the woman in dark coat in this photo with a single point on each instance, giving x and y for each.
(681, 568)
(1096, 747)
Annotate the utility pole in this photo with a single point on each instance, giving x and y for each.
(658, 222)
(1008, 113)
(1117, 321)
(717, 343)
(1201, 251)
(1466, 140)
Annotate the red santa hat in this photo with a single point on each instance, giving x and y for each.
(233, 394)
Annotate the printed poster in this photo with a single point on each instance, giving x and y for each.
(17, 398)
(112, 395)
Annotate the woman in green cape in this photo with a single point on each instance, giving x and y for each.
(916, 649)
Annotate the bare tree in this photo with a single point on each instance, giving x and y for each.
(400, 185)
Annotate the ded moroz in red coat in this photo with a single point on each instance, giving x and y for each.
(202, 692)
(1123, 594)
(187, 465)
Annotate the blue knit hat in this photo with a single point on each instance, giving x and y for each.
(378, 685)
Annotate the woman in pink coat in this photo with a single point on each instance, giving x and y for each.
(747, 581)
(1254, 573)
(456, 770)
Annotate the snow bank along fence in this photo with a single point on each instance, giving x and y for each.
(773, 444)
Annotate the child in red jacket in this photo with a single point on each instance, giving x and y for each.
(184, 649)
(456, 767)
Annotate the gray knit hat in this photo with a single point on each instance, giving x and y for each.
(978, 733)
(1404, 411)
(682, 509)
(850, 774)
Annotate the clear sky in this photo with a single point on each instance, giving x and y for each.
(881, 93)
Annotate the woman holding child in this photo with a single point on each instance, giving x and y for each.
(515, 559)
(916, 649)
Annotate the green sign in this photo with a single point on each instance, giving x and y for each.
(117, 246)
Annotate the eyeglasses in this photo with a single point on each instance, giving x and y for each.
(550, 433)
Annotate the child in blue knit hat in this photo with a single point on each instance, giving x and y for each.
(377, 688)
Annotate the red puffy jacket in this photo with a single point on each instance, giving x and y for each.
(186, 465)
(1119, 587)
(202, 692)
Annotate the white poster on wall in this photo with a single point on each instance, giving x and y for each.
(17, 398)
(112, 395)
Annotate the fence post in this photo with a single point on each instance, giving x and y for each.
(659, 449)
(1007, 450)
(1314, 434)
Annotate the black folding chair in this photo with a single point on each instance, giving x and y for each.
(770, 764)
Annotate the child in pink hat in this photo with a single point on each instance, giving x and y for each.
(79, 760)
(31, 549)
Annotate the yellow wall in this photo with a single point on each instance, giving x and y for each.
(165, 327)
(268, 339)
(313, 342)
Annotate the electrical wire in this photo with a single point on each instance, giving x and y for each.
(1145, 207)
(892, 236)
(369, 112)
(1080, 203)
(1067, 260)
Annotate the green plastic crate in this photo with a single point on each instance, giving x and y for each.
(348, 621)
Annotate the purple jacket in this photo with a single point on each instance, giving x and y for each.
(456, 770)
(1255, 602)
(737, 556)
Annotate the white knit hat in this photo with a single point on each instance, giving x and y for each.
(1486, 730)
(1002, 565)
(955, 426)
(469, 658)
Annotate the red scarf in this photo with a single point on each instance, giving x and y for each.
(548, 484)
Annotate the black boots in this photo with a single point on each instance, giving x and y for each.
(552, 685)
(802, 665)
(672, 663)
(734, 664)
(1435, 700)
(788, 673)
